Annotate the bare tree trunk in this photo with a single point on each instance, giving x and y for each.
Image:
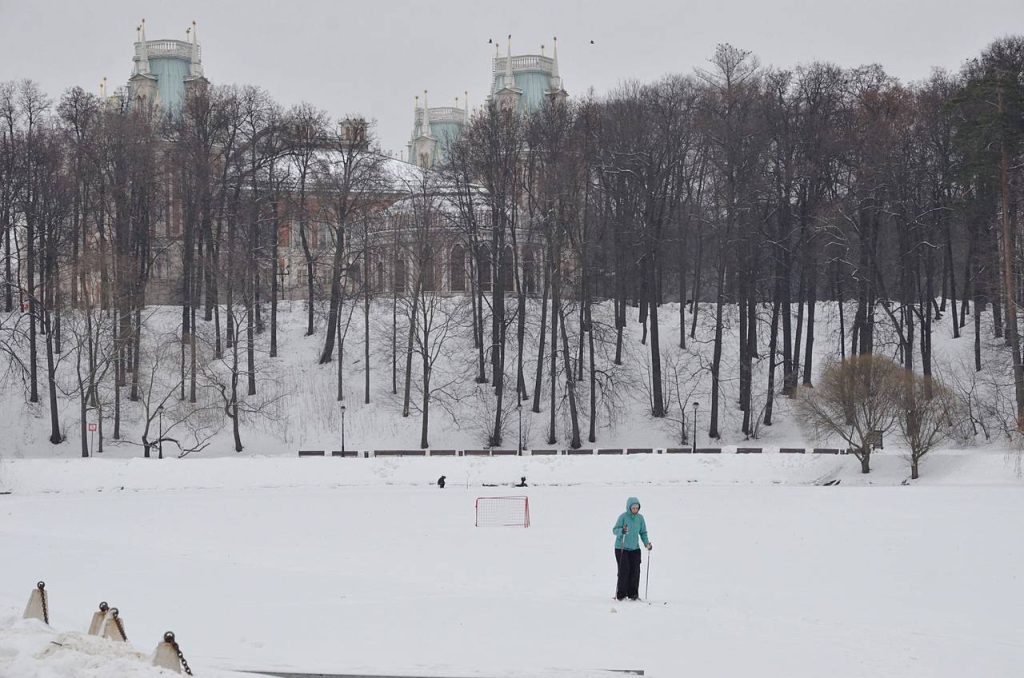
(117, 379)
(809, 347)
(574, 441)
(540, 343)
(33, 310)
(772, 347)
(366, 318)
(51, 378)
(425, 420)
(555, 314)
(682, 301)
(521, 394)
(952, 280)
(275, 248)
(394, 339)
(234, 398)
(592, 436)
(716, 360)
(136, 352)
(193, 358)
(656, 380)
(250, 345)
(408, 348)
(696, 285)
(9, 282)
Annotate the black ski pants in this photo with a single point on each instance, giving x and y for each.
(628, 585)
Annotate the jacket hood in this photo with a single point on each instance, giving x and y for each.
(630, 502)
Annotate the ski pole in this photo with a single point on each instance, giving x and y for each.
(647, 579)
(620, 553)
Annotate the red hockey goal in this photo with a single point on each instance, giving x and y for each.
(503, 512)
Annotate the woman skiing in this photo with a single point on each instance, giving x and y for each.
(630, 529)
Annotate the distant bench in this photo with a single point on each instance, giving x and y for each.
(311, 453)
(399, 453)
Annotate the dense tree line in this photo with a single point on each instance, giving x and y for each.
(762, 192)
(739, 191)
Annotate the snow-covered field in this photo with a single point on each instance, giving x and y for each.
(345, 565)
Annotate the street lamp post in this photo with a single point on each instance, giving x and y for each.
(160, 440)
(695, 404)
(343, 430)
(519, 408)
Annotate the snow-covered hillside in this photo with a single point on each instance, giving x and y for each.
(298, 408)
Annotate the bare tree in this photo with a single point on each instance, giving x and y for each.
(349, 185)
(854, 398)
(929, 414)
(189, 427)
(307, 131)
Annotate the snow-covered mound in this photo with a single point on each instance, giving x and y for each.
(31, 649)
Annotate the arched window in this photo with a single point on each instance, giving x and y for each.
(530, 271)
(428, 269)
(507, 269)
(484, 263)
(400, 275)
(457, 270)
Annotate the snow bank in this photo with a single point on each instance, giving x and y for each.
(31, 649)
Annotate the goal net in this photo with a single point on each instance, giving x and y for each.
(502, 512)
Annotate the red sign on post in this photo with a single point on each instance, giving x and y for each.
(92, 427)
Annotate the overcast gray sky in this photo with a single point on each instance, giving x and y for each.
(372, 57)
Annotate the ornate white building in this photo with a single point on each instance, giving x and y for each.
(164, 70)
(523, 82)
(526, 81)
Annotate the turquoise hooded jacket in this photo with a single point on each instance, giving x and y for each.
(636, 528)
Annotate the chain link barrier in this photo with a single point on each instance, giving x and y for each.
(42, 595)
(169, 638)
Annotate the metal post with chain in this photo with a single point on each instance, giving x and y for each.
(169, 638)
(120, 626)
(42, 596)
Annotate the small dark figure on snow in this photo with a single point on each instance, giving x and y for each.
(630, 529)
(440, 482)
(522, 482)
